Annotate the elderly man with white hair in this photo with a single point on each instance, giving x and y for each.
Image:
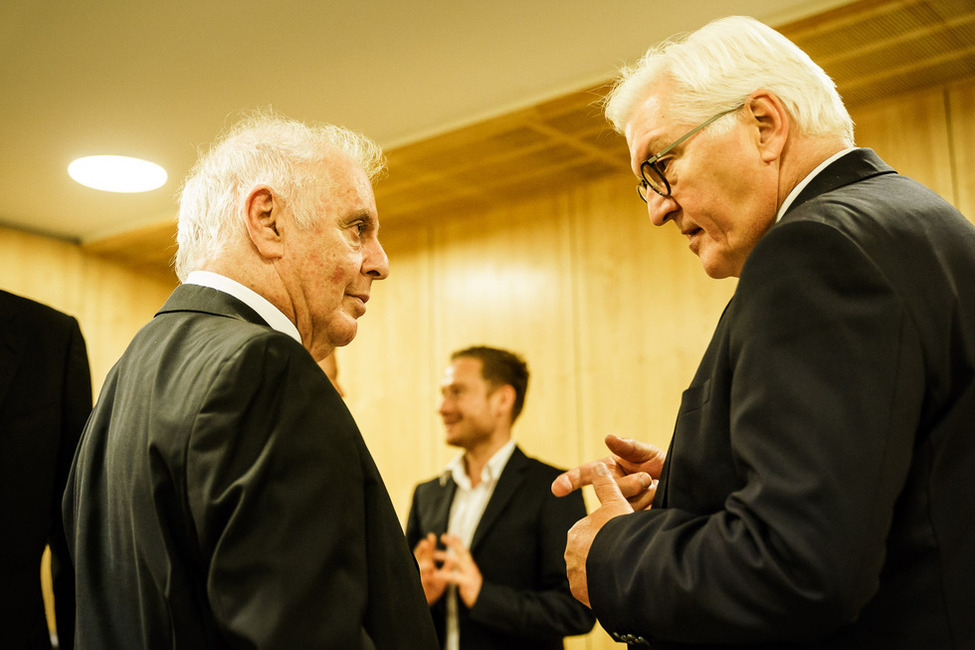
(222, 495)
(818, 487)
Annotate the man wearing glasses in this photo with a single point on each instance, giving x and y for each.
(817, 490)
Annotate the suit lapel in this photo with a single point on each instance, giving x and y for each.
(511, 479)
(439, 507)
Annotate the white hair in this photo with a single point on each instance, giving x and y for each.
(717, 67)
(263, 148)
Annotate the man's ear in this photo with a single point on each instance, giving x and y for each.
(263, 212)
(773, 123)
(505, 397)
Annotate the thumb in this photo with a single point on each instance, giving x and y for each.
(607, 491)
(562, 485)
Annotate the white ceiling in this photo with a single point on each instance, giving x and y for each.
(158, 79)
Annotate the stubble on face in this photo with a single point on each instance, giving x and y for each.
(466, 408)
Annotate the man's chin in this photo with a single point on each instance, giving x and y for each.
(343, 335)
(717, 266)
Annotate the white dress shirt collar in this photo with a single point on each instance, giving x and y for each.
(271, 314)
(492, 470)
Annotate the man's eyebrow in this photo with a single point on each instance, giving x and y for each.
(362, 215)
(646, 152)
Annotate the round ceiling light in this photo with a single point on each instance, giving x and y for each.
(117, 173)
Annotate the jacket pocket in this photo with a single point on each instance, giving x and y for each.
(695, 397)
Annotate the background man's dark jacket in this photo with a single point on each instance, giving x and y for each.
(519, 547)
(45, 398)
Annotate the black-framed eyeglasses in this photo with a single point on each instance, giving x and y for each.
(653, 173)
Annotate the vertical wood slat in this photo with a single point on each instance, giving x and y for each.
(911, 134)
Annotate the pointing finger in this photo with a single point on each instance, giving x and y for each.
(578, 477)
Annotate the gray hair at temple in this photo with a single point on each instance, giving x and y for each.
(717, 67)
(263, 148)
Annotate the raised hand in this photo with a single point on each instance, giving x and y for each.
(433, 581)
(580, 536)
(460, 569)
(634, 465)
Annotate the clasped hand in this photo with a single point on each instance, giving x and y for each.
(453, 566)
(624, 482)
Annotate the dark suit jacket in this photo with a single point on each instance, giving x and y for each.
(222, 496)
(518, 546)
(45, 397)
(819, 485)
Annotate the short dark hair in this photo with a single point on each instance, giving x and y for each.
(500, 368)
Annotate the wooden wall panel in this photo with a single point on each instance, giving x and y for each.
(911, 135)
(110, 301)
(118, 302)
(648, 312)
(43, 269)
(502, 278)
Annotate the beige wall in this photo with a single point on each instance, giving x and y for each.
(927, 135)
(611, 313)
(110, 301)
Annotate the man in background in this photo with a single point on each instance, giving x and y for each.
(222, 495)
(45, 398)
(488, 534)
(817, 490)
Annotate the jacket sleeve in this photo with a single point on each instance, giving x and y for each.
(824, 379)
(550, 611)
(276, 497)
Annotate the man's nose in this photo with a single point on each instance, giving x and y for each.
(375, 262)
(660, 208)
